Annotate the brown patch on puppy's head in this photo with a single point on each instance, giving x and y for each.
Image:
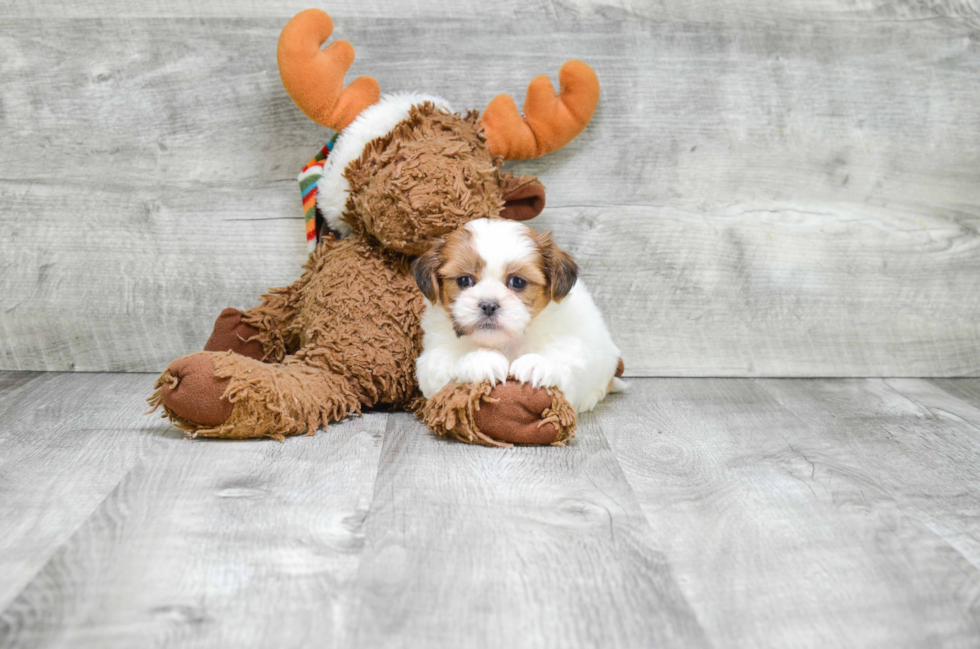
(560, 269)
(536, 294)
(425, 268)
(437, 269)
(459, 259)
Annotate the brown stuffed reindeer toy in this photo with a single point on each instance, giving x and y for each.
(403, 171)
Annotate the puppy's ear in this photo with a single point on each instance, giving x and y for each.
(424, 268)
(523, 196)
(560, 268)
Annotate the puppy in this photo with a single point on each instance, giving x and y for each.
(506, 301)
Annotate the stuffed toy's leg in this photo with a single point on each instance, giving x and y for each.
(224, 394)
(232, 334)
(267, 332)
(355, 311)
(500, 415)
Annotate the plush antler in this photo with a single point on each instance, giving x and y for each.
(551, 121)
(314, 78)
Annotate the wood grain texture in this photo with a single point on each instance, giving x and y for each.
(715, 11)
(201, 544)
(809, 513)
(923, 444)
(546, 547)
(767, 189)
(687, 512)
(65, 443)
(963, 389)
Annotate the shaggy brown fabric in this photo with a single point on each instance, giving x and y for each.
(350, 327)
(423, 180)
(355, 310)
(500, 415)
(231, 334)
(258, 399)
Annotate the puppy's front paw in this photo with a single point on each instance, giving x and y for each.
(434, 369)
(482, 365)
(539, 371)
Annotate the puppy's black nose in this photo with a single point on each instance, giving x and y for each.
(489, 307)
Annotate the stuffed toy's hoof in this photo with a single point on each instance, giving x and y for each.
(500, 415)
(191, 395)
(516, 413)
(231, 334)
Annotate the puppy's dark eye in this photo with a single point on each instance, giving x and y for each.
(517, 283)
(464, 282)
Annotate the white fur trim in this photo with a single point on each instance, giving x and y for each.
(374, 121)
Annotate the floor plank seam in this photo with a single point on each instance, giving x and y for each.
(69, 538)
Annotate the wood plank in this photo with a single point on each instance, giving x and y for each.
(211, 543)
(65, 443)
(135, 292)
(939, 454)
(907, 434)
(688, 512)
(965, 389)
(65, 314)
(781, 197)
(712, 11)
(746, 292)
(785, 509)
(475, 547)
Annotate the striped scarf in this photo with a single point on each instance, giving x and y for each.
(308, 181)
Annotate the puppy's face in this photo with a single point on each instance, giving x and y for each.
(493, 276)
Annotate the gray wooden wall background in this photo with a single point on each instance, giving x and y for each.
(768, 188)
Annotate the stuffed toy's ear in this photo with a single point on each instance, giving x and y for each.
(562, 270)
(424, 268)
(523, 196)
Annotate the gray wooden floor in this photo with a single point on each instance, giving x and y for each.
(688, 512)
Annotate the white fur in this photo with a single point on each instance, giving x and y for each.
(567, 345)
(377, 120)
(498, 243)
(482, 365)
